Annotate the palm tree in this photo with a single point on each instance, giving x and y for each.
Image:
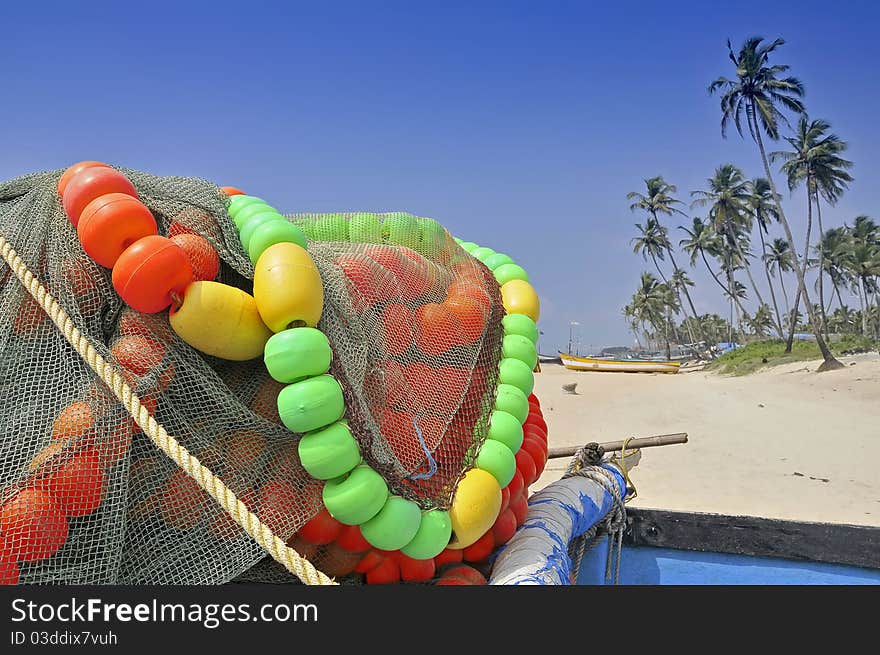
(843, 320)
(764, 211)
(651, 242)
(762, 322)
(758, 92)
(814, 161)
(779, 258)
(632, 321)
(652, 301)
(679, 282)
(833, 248)
(702, 240)
(729, 198)
(864, 263)
(659, 200)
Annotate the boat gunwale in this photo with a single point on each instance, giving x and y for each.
(830, 543)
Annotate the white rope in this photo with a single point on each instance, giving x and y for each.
(225, 497)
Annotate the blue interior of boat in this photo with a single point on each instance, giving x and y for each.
(640, 565)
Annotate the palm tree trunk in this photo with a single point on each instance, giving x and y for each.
(821, 267)
(719, 282)
(784, 294)
(731, 284)
(657, 266)
(745, 262)
(792, 321)
(770, 283)
(797, 298)
(690, 302)
(830, 361)
(865, 305)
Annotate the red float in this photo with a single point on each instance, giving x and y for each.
(321, 529)
(78, 484)
(203, 259)
(415, 570)
(73, 170)
(110, 224)
(150, 272)
(33, 525)
(92, 183)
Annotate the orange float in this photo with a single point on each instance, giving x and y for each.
(110, 224)
(150, 273)
(73, 170)
(92, 183)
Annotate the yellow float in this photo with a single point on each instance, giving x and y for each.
(220, 320)
(288, 288)
(474, 508)
(519, 297)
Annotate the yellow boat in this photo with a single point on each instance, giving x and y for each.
(618, 365)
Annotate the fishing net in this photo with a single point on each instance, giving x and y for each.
(418, 392)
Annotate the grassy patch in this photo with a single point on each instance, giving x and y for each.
(759, 354)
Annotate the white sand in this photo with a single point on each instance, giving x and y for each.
(741, 458)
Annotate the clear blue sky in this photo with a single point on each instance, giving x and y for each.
(520, 126)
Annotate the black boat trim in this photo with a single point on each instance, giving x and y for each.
(834, 543)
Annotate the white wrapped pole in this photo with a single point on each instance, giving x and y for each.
(538, 552)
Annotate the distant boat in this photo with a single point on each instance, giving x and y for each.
(549, 359)
(576, 363)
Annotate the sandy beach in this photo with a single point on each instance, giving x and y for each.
(784, 442)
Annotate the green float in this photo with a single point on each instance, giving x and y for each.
(333, 227)
(435, 530)
(296, 354)
(482, 253)
(468, 246)
(268, 234)
(507, 272)
(357, 497)
(365, 228)
(329, 453)
(257, 220)
(494, 261)
(401, 230)
(239, 202)
(516, 346)
(496, 458)
(507, 429)
(311, 404)
(522, 325)
(394, 526)
(511, 400)
(242, 216)
(515, 372)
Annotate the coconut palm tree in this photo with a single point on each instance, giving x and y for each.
(779, 259)
(864, 264)
(757, 93)
(652, 301)
(659, 199)
(651, 242)
(702, 239)
(843, 320)
(729, 198)
(814, 161)
(764, 211)
(762, 322)
(833, 248)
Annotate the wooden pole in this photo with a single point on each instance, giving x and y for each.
(612, 446)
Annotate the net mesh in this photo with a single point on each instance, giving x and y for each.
(418, 377)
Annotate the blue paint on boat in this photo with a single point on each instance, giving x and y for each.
(640, 565)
